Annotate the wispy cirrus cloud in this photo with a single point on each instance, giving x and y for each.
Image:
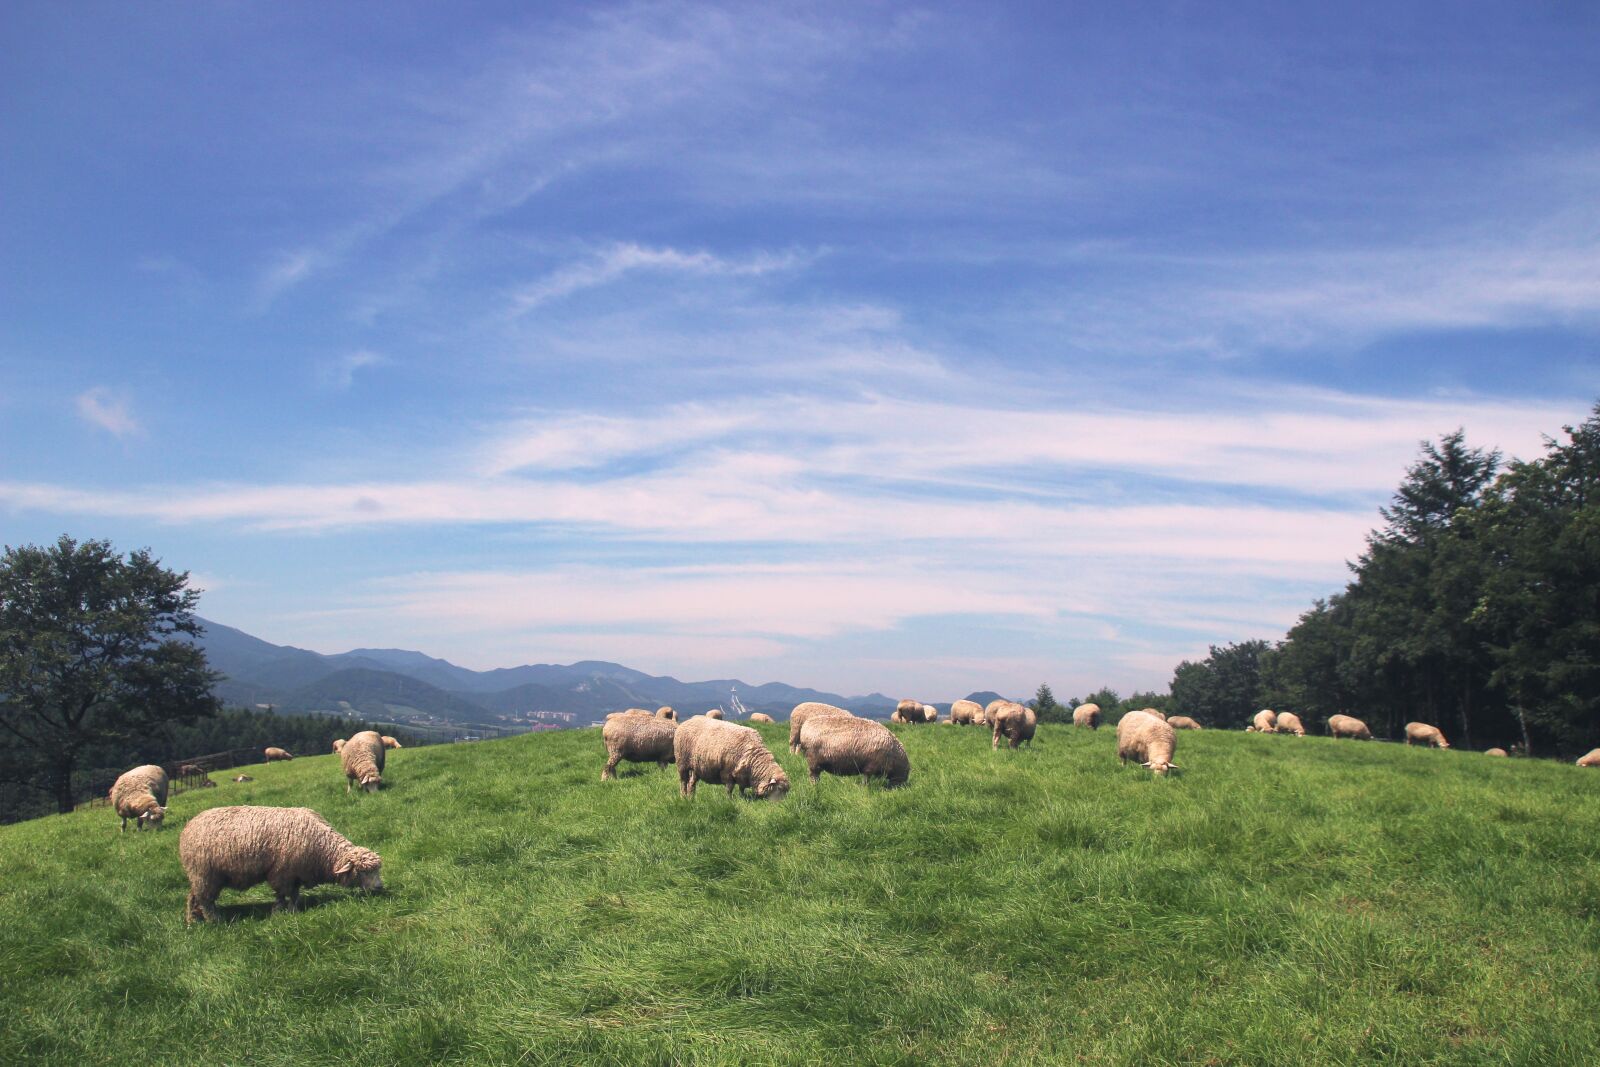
(108, 410)
(614, 262)
(339, 373)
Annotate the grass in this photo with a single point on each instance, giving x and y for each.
(1286, 901)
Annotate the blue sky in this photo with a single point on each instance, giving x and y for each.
(912, 348)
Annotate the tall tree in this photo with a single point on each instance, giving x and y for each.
(94, 648)
(1225, 688)
(1044, 703)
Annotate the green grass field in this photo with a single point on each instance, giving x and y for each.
(1285, 901)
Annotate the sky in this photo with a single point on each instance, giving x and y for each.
(921, 349)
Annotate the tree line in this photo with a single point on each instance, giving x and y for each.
(1474, 607)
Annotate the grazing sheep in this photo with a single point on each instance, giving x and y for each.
(338, 744)
(243, 778)
(760, 716)
(909, 711)
(725, 753)
(274, 754)
(189, 770)
(1348, 726)
(1086, 715)
(238, 847)
(638, 739)
(1264, 721)
(802, 712)
(930, 713)
(1016, 722)
(389, 742)
(1158, 713)
(846, 745)
(714, 713)
(666, 712)
(140, 795)
(1422, 733)
(1495, 752)
(967, 713)
(1183, 722)
(1289, 723)
(1148, 740)
(1590, 758)
(362, 759)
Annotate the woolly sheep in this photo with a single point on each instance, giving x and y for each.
(362, 760)
(1157, 712)
(804, 711)
(930, 713)
(389, 742)
(1348, 726)
(1016, 722)
(238, 847)
(1590, 758)
(1183, 722)
(637, 739)
(243, 778)
(1289, 723)
(1495, 752)
(189, 770)
(1422, 733)
(1086, 715)
(846, 745)
(760, 716)
(140, 795)
(1147, 740)
(967, 713)
(909, 711)
(1264, 721)
(714, 713)
(666, 712)
(725, 753)
(278, 754)
(991, 708)
(338, 744)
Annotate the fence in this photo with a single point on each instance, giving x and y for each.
(192, 772)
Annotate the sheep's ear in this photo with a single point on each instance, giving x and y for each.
(344, 866)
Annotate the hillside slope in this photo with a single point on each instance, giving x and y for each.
(1285, 901)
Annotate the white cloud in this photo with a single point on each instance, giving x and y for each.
(618, 260)
(112, 413)
(340, 372)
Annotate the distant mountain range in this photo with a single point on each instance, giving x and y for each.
(399, 685)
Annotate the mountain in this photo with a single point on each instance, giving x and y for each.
(377, 681)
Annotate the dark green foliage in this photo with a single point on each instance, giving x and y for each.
(1224, 689)
(1287, 901)
(94, 649)
(1044, 704)
(1475, 608)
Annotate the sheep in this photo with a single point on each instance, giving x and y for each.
(804, 711)
(1183, 722)
(1289, 723)
(1264, 721)
(389, 742)
(1590, 758)
(1348, 726)
(238, 847)
(714, 713)
(846, 745)
(666, 712)
(638, 739)
(362, 760)
(907, 711)
(725, 753)
(1016, 722)
(1148, 740)
(274, 754)
(140, 795)
(1424, 734)
(992, 707)
(760, 716)
(338, 744)
(190, 770)
(1086, 715)
(1495, 752)
(930, 713)
(243, 778)
(1156, 712)
(966, 713)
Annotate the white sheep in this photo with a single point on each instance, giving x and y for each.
(1264, 721)
(1590, 758)
(362, 761)
(140, 795)
(1348, 726)
(967, 713)
(725, 753)
(1289, 723)
(1086, 715)
(804, 711)
(1016, 722)
(288, 848)
(1423, 734)
(846, 745)
(1147, 740)
(638, 739)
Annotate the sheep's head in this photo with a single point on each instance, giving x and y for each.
(1159, 768)
(359, 868)
(153, 815)
(371, 781)
(338, 745)
(776, 785)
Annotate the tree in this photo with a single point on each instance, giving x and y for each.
(1223, 689)
(1044, 703)
(94, 648)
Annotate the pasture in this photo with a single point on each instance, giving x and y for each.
(1282, 901)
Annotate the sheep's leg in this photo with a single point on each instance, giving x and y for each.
(347, 781)
(611, 767)
(124, 828)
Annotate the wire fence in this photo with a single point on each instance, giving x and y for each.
(191, 772)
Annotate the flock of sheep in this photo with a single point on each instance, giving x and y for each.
(291, 848)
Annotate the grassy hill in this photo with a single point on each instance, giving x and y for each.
(1285, 901)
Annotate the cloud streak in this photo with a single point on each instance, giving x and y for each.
(105, 409)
